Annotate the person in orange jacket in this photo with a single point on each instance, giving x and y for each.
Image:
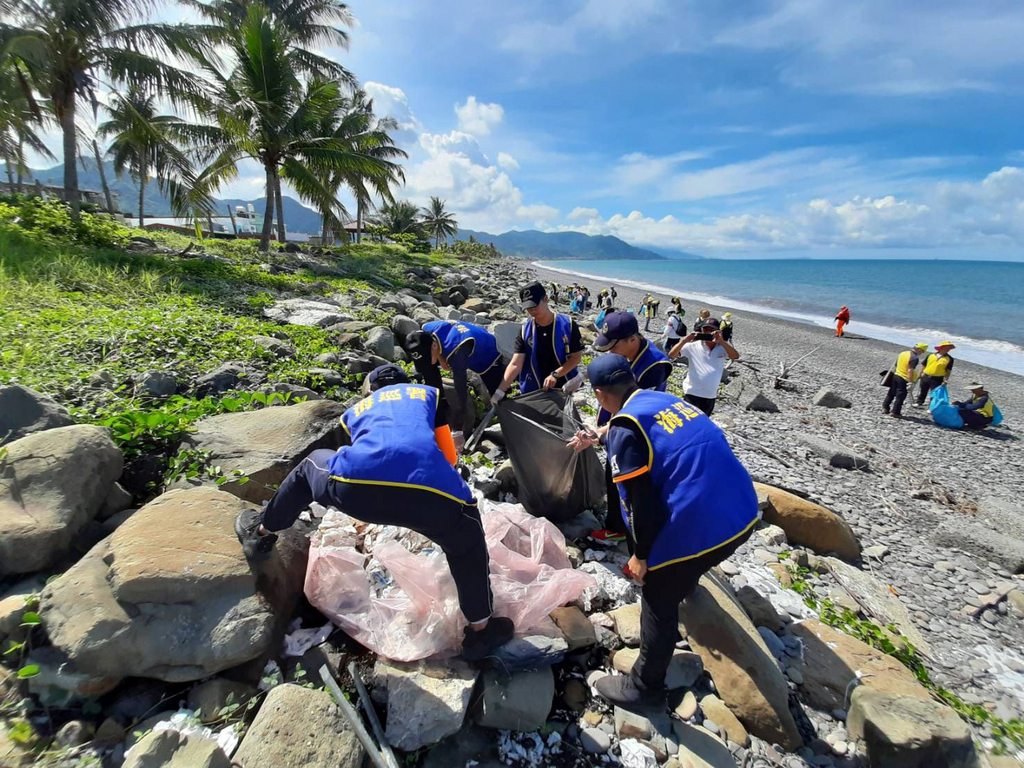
(841, 319)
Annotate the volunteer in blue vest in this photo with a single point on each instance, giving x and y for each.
(904, 373)
(457, 347)
(548, 349)
(620, 333)
(979, 411)
(398, 469)
(937, 368)
(688, 504)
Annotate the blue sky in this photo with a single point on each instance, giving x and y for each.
(739, 129)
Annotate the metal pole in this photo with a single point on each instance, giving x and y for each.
(371, 714)
(353, 717)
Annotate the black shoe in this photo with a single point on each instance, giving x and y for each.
(479, 645)
(255, 545)
(621, 691)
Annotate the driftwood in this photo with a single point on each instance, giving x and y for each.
(754, 444)
(784, 369)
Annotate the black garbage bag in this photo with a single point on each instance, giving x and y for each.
(554, 481)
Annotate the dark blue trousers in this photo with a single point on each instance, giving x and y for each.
(455, 527)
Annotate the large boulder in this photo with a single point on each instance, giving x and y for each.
(402, 326)
(264, 445)
(745, 674)
(877, 601)
(835, 454)
(299, 727)
(832, 659)
(518, 702)
(52, 484)
(909, 732)
(169, 595)
(171, 749)
(381, 341)
(749, 397)
(506, 334)
(316, 314)
(809, 524)
(826, 398)
(427, 700)
(24, 411)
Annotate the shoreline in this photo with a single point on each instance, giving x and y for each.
(980, 352)
(773, 340)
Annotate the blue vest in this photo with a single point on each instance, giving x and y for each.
(451, 336)
(530, 377)
(707, 493)
(649, 357)
(392, 433)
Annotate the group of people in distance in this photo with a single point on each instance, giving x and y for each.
(929, 371)
(681, 499)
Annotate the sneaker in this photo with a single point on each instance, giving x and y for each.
(479, 645)
(612, 537)
(885, 411)
(623, 692)
(896, 415)
(255, 545)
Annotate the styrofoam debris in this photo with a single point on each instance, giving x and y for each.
(298, 641)
(528, 749)
(633, 754)
(187, 723)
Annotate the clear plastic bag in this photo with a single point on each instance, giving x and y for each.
(415, 613)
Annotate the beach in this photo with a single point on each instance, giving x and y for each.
(943, 505)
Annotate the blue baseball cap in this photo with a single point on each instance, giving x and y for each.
(609, 370)
(386, 375)
(616, 326)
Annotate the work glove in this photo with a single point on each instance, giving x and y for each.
(497, 396)
(460, 440)
(573, 384)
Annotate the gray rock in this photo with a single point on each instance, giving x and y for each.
(295, 391)
(171, 749)
(62, 683)
(117, 500)
(276, 347)
(595, 741)
(74, 732)
(381, 341)
(826, 398)
(299, 727)
(996, 543)
(520, 702)
(835, 454)
(24, 411)
(505, 334)
(223, 379)
(402, 326)
(264, 445)
(427, 700)
(315, 314)
(156, 384)
(207, 699)
(531, 652)
(174, 602)
(52, 483)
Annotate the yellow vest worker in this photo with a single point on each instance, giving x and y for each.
(980, 410)
(904, 372)
(937, 369)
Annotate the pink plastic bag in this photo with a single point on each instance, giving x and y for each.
(420, 616)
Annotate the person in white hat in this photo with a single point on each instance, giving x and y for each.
(979, 411)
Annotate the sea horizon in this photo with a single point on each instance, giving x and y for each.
(978, 305)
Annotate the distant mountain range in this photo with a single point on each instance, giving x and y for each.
(297, 217)
(533, 244)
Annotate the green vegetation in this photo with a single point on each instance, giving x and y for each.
(888, 640)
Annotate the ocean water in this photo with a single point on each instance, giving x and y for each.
(978, 305)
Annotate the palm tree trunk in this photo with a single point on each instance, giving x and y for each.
(279, 203)
(268, 216)
(359, 218)
(103, 178)
(10, 173)
(323, 228)
(142, 197)
(21, 164)
(66, 114)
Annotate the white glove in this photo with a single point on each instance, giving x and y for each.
(497, 396)
(573, 384)
(460, 440)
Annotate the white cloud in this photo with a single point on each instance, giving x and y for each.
(582, 214)
(477, 117)
(989, 213)
(506, 161)
(539, 214)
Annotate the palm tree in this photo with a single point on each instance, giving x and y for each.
(367, 135)
(438, 222)
(67, 46)
(139, 144)
(263, 111)
(19, 119)
(400, 216)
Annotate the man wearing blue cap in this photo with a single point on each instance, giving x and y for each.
(651, 368)
(688, 504)
(397, 469)
(548, 349)
(457, 347)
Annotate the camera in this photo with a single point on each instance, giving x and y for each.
(704, 336)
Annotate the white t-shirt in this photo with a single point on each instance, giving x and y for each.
(672, 327)
(705, 368)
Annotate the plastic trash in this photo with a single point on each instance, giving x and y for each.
(945, 414)
(415, 613)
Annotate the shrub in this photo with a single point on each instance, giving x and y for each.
(50, 220)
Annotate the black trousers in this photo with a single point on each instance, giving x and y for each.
(706, 404)
(925, 385)
(456, 528)
(664, 589)
(896, 395)
(493, 376)
(974, 420)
